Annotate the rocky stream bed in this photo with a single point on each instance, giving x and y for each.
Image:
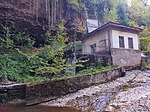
(130, 93)
(126, 94)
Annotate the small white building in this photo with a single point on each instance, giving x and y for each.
(118, 41)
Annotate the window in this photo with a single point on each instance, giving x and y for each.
(93, 48)
(130, 43)
(121, 42)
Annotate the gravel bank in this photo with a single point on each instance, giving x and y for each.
(126, 94)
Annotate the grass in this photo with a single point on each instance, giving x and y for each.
(89, 71)
(16, 68)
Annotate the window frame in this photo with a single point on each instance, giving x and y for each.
(130, 43)
(121, 42)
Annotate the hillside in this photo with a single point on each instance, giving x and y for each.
(37, 16)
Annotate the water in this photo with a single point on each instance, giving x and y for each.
(37, 108)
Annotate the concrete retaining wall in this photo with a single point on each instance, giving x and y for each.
(48, 91)
(12, 92)
(126, 57)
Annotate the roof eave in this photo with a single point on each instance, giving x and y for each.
(111, 24)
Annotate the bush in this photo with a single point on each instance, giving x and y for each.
(10, 39)
(145, 43)
(16, 68)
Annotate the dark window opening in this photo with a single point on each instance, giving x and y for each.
(93, 48)
(130, 43)
(121, 42)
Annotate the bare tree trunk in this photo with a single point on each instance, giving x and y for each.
(60, 9)
(46, 3)
(52, 11)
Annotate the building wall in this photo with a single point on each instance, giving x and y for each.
(95, 39)
(125, 57)
(115, 39)
(120, 56)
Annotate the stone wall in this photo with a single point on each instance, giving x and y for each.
(125, 57)
(12, 92)
(48, 91)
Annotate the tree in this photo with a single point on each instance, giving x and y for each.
(106, 10)
(10, 39)
(145, 43)
(137, 12)
(49, 60)
(122, 13)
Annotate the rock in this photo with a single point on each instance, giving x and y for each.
(115, 96)
(5, 81)
(37, 16)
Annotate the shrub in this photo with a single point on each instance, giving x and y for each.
(16, 68)
(145, 43)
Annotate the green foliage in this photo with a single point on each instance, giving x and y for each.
(89, 71)
(16, 68)
(146, 31)
(49, 60)
(110, 15)
(148, 64)
(22, 39)
(94, 70)
(12, 64)
(104, 10)
(122, 13)
(145, 64)
(145, 43)
(22, 64)
(10, 39)
(110, 11)
(77, 3)
(6, 39)
(139, 12)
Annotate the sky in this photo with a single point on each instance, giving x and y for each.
(148, 2)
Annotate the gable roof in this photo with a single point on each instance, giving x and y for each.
(112, 24)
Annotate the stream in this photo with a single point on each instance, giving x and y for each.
(37, 108)
(126, 94)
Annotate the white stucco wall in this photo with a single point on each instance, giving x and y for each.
(86, 49)
(115, 39)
